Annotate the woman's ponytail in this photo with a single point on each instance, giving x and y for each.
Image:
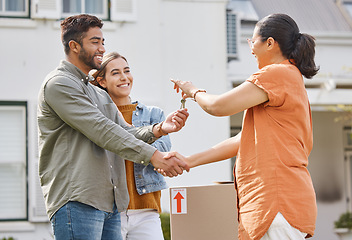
(293, 44)
(303, 54)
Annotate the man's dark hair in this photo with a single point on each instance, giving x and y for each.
(75, 28)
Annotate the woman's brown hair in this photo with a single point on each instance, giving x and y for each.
(102, 71)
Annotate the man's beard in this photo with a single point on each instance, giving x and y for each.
(88, 59)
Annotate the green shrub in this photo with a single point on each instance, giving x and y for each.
(10, 238)
(165, 225)
(345, 221)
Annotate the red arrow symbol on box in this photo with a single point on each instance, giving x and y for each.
(178, 198)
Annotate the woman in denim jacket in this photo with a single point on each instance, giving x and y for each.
(141, 220)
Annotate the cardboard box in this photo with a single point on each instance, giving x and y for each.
(203, 212)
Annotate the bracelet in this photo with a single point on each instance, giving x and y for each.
(162, 133)
(195, 93)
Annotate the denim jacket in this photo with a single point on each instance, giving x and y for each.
(147, 180)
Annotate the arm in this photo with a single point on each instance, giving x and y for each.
(69, 104)
(222, 151)
(174, 122)
(234, 101)
(163, 144)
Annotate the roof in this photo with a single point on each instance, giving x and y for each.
(310, 15)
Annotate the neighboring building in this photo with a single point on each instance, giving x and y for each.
(203, 41)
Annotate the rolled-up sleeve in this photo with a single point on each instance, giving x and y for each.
(70, 101)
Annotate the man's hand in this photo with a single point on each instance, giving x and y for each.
(175, 121)
(171, 166)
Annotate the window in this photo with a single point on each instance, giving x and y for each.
(348, 6)
(107, 10)
(13, 161)
(14, 8)
(239, 13)
(244, 8)
(97, 7)
(232, 29)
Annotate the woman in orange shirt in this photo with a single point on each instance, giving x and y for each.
(276, 198)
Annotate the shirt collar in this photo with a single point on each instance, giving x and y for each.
(76, 72)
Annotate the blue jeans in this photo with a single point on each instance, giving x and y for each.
(78, 221)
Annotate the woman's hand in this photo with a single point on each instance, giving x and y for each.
(178, 156)
(187, 88)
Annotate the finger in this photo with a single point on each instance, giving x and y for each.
(179, 121)
(184, 112)
(162, 172)
(170, 155)
(177, 170)
(176, 86)
(184, 165)
(181, 163)
(172, 173)
(181, 113)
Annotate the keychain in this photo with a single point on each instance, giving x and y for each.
(183, 103)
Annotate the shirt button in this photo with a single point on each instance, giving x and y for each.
(136, 113)
(144, 191)
(139, 176)
(142, 162)
(114, 187)
(110, 166)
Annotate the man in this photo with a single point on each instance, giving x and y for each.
(83, 141)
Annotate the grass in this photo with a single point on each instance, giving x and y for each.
(165, 225)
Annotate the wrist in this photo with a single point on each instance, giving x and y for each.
(196, 92)
(160, 130)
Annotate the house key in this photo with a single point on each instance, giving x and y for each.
(183, 103)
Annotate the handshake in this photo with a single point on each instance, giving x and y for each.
(169, 164)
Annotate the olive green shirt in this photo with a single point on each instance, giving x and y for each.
(81, 148)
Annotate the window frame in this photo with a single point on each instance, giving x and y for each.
(15, 14)
(104, 16)
(26, 200)
(232, 29)
(348, 6)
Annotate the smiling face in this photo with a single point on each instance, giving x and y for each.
(118, 81)
(266, 52)
(259, 48)
(91, 49)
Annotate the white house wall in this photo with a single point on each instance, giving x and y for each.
(185, 40)
(179, 39)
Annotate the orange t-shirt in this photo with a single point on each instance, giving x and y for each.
(271, 167)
